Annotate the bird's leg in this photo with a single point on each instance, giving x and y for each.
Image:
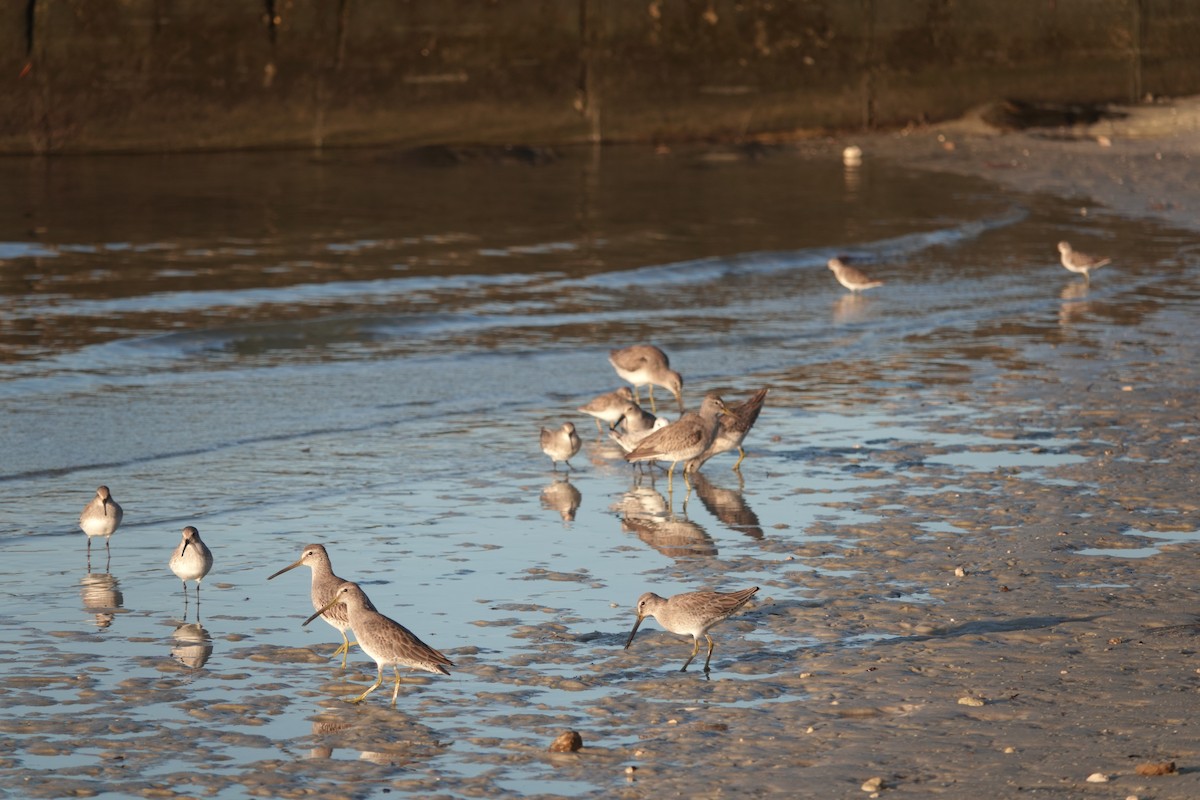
(599, 430)
(396, 691)
(650, 389)
(373, 687)
(695, 649)
(741, 454)
(710, 649)
(344, 647)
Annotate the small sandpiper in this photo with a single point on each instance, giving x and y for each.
(101, 517)
(646, 365)
(608, 407)
(853, 279)
(561, 444)
(191, 561)
(1079, 262)
(690, 614)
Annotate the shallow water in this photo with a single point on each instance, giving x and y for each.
(359, 349)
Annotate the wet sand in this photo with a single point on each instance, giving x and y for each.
(1062, 641)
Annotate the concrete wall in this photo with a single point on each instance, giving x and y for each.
(152, 75)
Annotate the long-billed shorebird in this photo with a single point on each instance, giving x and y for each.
(561, 444)
(101, 517)
(608, 407)
(386, 641)
(690, 614)
(732, 430)
(682, 440)
(646, 365)
(853, 279)
(324, 586)
(1079, 262)
(191, 561)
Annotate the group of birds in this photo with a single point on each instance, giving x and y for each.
(190, 561)
(693, 438)
(346, 607)
(856, 280)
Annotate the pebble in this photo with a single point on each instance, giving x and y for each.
(971, 701)
(872, 784)
(566, 742)
(852, 156)
(1097, 777)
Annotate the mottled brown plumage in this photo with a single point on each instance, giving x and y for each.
(690, 614)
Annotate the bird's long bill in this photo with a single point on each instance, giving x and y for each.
(285, 569)
(633, 632)
(323, 609)
(104, 504)
(183, 549)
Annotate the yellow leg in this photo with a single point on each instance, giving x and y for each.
(650, 388)
(344, 647)
(396, 691)
(695, 649)
(374, 686)
(710, 649)
(741, 455)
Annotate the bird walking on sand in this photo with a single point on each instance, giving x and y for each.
(608, 407)
(324, 585)
(690, 614)
(646, 365)
(101, 517)
(1079, 262)
(191, 561)
(384, 640)
(561, 444)
(732, 430)
(684, 439)
(853, 279)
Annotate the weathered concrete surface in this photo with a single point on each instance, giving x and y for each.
(151, 75)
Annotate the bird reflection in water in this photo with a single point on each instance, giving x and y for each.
(102, 597)
(563, 497)
(728, 505)
(1074, 302)
(192, 645)
(850, 307)
(408, 742)
(645, 512)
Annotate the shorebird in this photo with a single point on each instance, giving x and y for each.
(690, 614)
(684, 439)
(608, 407)
(646, 365)
(191, 561)
(628, 440)
(561, 444)
(1079, 262)
(386, 641)
(101, 517)
(853, 279)
(324, 585)
(732, 430)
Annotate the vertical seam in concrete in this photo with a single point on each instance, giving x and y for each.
(1136, 39)
(342, 19)
(30, 21)
(869, 68)
(589, 103)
